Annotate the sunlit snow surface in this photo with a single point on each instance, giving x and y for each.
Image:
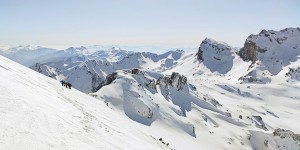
(38, 113)
(214, 109)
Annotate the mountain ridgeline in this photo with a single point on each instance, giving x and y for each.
(264, 56)
(219, 97)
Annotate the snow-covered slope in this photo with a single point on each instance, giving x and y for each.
(38, 113)
(141, 110)
(217, 116)
(29, 55)
(270, 52)
(215, 62)
(176, 100)
(87, 72)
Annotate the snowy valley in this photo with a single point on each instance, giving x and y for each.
(219, 97)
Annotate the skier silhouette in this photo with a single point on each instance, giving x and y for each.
(62, 82)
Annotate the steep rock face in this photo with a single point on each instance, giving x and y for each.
(216, 56)
(176, 81)
(273, 49)
(108, 80)
(248, 52)
(270, 51)
(200, 54)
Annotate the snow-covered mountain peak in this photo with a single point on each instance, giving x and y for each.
(27, 55)
(114, 49)
(270, 51)
(217, 56)
(153, 101)
(173, 54)
(78, 50)
(274, 42)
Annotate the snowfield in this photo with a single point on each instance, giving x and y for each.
(38, 113)
(217, 98)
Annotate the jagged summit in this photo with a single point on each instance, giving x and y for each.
(270, 52)
(276, 43)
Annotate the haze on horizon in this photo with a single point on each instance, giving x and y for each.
(163, 23)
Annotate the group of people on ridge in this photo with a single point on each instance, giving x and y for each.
(66, 84)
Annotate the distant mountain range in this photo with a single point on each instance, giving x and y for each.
(270, 56)
(218, 97)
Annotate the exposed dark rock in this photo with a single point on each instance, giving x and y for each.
(228, 114)
(286, 134)
(240, 116)
(248, 52)
(266, 143)
(192, 87)
(200, 54)
(96, 81)
(212, 101)
(109, 79)
(135, 71)
(259, 122)
(151, 84)
(281, 40)
(176, 81)
(261, 50)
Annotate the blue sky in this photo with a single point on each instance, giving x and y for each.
(165, 23)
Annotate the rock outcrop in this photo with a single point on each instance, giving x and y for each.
(276, 43)
(286, 134)
(176, 81)
(200, 53)
(108, 80)
(248, 52)
(259, 122)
